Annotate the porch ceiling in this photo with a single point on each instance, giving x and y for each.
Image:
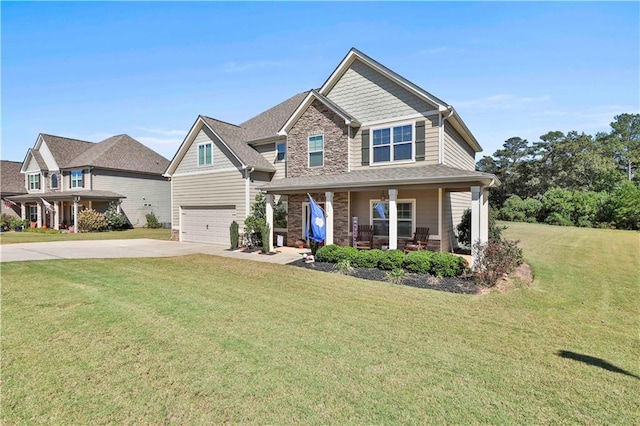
(67, 196)
(437, 176)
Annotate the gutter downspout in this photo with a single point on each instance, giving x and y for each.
(442, 120)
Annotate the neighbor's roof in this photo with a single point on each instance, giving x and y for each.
(11, 180)
(64, 149)
(121, 152)
(382, 176)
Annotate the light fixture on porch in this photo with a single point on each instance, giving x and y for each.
(382, 197)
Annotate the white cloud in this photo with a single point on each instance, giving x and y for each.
(501, 101)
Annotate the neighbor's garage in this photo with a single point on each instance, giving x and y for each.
(209, 224)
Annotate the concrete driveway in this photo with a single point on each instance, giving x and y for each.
(102, 249)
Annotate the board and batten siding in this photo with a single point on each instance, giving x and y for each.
(209, 189)
(457, 153)
(140, 189)
(220, 155)
(268, 151)
(368, 95)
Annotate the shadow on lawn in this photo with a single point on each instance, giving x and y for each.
(598, 362)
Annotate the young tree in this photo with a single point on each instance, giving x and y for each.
(626, 141)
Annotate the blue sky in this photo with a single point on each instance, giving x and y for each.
(93, 70)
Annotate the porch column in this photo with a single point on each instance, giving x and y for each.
(328, 209)
(23, 211)
(39, 210)
(269, 213)
(484, 217)
(56, 215)
(393, 219)
(476, 199)
(75, 213)
(118, 208)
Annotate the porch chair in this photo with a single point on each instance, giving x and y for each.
(419, 241)
(364, 241)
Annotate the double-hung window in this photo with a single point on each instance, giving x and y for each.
(76, 179)
(316, 151)
(33, 213)
(34, 181)
(205, 155)
(281, 152)
(380, 218)
(393, 144)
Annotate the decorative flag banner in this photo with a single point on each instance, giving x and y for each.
(380, 209)
(316, 229)
(8, 203)
(47, 205)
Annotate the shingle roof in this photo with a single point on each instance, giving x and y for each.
(68, 194)
(65, 149)
(268, 123)
(11, 180)
(236, 139)
(121, 152)
(380, 176)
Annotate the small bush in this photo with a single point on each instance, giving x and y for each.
(344, 267)
(234, 235)
(395, 276)
(91, 221)
(463, 230)
(391, 260)
(558, 219)
(446, 265)
(266, 237)
(152, 221)
(368, 258)
(115, 221)
(328, 253)
(418, 262)
(494, 259)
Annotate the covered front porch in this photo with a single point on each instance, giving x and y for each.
(59, 210)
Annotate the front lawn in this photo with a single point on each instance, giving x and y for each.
(203, 339)
(12, 237)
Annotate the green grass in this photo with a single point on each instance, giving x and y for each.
(202, 339)
(12, 237)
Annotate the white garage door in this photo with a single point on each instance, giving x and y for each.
(207, 224)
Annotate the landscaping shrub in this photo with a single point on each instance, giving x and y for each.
(91, 221)
(115, 221)
(391, 260)
(328, 253)
(368, 258)
(152, 221)
(418, 262)
(494, 259)
(255, 222)
(395, 276)
(234, 235)
(463, 230)
(266, 237)
(344, 267)
(5, 221)
(518, 210)
(446, 264)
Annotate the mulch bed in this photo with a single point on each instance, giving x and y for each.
(451, 285)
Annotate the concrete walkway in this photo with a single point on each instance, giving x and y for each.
(102, 249)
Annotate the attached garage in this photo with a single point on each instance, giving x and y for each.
(207, 224)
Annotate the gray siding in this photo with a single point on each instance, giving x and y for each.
(457, 153)
(209, 189)
(47, 156)
(221, 156)
(432, 140)
(139, 189)
(368, 95)
(33, 166)
(455, 203)
(268, 151)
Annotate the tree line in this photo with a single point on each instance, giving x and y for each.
(570, 179)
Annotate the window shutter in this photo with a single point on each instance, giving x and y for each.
(420, 141)
(365, 147)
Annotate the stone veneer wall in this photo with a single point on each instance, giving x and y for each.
(341, 224)
(317, 120)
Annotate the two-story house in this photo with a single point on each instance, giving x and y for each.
(367, 137)
(63, 176)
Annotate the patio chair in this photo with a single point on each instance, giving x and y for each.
(419, 241)
(364, 241)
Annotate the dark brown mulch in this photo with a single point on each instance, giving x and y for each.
(449, 284)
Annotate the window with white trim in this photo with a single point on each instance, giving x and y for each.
(380, 218)
(205, 155)
(391, 144)
(77, 179)
(316, 151)
(33, 213)
(53, 184)
(34, 181)
(281, 152)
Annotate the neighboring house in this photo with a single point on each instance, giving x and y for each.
(11, 183)
(70, 175)
(367, 138)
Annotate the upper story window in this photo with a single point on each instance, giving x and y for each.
(205, 155)
(281, 151)
(34, 181)
(393, 144)
(316, 151)
(54, 181)
(76, 179)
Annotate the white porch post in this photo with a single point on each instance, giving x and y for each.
(476, 196)
(118, 208)
(56, 215)
(39, 209)
(393, 219)
(23, 211)
(328, 209)
(75, 213)
(484, 217)
(269, 213)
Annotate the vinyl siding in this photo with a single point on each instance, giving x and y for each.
(33, 165)
(139, 189)
(368, 95)
(47, 156)
(431, 144)
(455, 203)
(221, 156)
(268, 151)
(209, 189)
(457, 153)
